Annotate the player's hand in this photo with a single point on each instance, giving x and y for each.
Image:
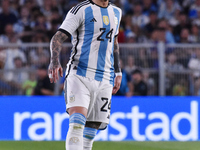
(117, 84)
(54, 71)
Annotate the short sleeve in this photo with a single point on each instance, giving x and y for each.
(72, 21)
(118, 15)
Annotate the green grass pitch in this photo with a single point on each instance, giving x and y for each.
(129, 145)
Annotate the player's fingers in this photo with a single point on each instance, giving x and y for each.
(114, 91)
(116, 87)
(61, 71)
(53, 74)
(51, 80)
(50, 75)
(56, 75)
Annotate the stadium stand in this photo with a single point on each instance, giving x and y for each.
(148, 27)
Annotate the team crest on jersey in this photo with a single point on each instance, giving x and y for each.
(105, 20)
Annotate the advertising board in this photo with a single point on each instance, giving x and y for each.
(135, 118)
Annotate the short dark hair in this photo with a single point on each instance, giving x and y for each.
(42, 67)
(17, 58)
(136, 71)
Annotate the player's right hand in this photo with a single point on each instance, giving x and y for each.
(54, 71)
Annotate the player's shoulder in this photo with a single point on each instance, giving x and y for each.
(80, 7)
(115, 7)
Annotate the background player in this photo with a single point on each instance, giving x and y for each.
(93, 25)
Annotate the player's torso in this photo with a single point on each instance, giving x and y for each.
(95, 37)
(100, 23)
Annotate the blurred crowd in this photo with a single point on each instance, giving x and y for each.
(149, 21)
(143, 21)
(173, 21)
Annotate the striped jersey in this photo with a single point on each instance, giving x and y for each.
(93, 29)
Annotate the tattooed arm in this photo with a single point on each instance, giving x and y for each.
(117, 67)
(55, 48)
(116, 57)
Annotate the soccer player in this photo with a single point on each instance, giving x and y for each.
(94, 61)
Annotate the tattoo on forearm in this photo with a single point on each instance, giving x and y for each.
(116, 58)
(56, 46)
(116, 47)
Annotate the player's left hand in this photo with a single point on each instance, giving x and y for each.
(117, 84)
(54, 71)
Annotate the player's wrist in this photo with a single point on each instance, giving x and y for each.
(118, 74)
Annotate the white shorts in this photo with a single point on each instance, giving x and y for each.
(94, 95)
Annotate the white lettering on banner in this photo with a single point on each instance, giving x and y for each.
(119, 127)
(18, 119)
(164, 125)
(59, 118)
(193, 120)
(46, 125)
(53, 124)
(135, 116)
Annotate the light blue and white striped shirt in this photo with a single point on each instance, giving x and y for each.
(93, 29)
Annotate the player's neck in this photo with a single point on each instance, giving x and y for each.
(101, 3)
